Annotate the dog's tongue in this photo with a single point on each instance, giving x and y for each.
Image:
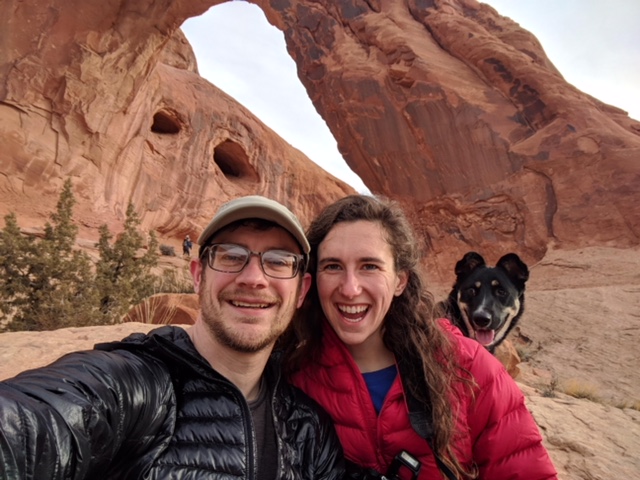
(485, 337)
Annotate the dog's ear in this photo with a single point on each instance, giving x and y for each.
(468, 264)
(515, 268)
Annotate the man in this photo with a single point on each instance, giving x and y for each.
(186, 246)
(203, 403)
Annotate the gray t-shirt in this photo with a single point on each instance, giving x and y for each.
(265, 434)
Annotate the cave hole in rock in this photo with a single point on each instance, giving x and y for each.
(233, 161)
(166, 122)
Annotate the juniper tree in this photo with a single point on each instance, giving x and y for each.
(124, 275)
(15, 258)
(46, 284)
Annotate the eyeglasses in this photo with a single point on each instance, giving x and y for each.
(231, 258)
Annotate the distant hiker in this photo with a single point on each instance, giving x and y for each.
(186, 246)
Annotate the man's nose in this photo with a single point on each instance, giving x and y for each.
(252, 273)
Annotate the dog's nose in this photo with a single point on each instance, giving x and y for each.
(481, 319)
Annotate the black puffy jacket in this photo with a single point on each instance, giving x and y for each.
(150, 407)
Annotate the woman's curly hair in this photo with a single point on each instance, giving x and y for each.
(410, 329)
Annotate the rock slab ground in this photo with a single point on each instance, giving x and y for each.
(581, 327)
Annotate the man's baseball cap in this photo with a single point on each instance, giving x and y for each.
(256, 206)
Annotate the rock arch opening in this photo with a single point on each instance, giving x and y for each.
(253, 66)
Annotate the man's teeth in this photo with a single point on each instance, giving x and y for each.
(352, 309)
(250, 305)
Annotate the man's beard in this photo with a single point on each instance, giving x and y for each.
(223, 333)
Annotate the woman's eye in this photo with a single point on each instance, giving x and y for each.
(370, 266)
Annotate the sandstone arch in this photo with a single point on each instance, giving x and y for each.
(445, 105)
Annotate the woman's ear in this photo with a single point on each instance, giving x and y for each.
(401, 282)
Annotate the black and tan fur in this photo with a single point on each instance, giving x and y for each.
(486, 302)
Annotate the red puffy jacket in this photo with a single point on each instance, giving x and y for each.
(498, 432)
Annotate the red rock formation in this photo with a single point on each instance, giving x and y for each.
(108, 93)
(443, 104)
(457, 111)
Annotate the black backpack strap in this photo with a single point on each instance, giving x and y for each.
(420, 416)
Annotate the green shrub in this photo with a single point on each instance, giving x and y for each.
(47, 284)
(167, 251)
(175, 281)
(123, 277)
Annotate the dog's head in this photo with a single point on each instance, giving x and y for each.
(490, 299)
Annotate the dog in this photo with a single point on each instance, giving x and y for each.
(486, 302)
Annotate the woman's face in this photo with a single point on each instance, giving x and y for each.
(357, 281)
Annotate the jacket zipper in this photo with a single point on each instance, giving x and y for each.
(249, 435)
(276, 383)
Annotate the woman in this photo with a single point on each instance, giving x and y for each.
(365, 345)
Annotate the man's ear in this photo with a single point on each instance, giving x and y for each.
(195, 266)
(305, 285)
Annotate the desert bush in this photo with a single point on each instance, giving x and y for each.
(524, 353)
(633, 405)
(175, 281)
(550, 390)
(580, 389)
(152, 310)
(167, 250)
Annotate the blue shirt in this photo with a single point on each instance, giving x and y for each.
(379, 383)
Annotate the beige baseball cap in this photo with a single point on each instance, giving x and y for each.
(256, 206)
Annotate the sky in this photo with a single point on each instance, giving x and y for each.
(594, 44)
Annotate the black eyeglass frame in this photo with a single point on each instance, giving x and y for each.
(300, 265)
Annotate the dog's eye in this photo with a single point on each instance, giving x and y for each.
(501, 292)
(471, 292)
